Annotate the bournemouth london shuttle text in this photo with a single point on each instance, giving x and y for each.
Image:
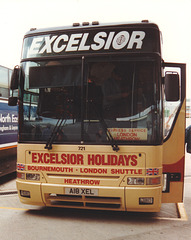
(84, 42)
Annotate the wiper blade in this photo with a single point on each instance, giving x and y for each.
(114, 145)
(112, 141)
(54, 133)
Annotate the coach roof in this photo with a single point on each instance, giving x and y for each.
(86, 25)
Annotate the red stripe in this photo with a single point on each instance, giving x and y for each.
(177, 167)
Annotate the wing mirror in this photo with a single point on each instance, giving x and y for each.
(14, 86)
(171, 82)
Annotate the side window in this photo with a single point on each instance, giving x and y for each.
(171, 106)
(4, 82)
(170, 110)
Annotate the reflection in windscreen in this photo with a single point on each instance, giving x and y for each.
(115, 97)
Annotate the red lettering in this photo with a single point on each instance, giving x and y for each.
(126, 171)
(80, 159)
(46, 158)
(40, 155)
(139, 171)
(82, 181)
(90, 159)
(104, 161)
(113, 160)
(121, 160)
(96, 182)
(98, 159)
(68, 181)
(93, 170)
(133, 160)
(127, 158)
(63, 157)
(57, 161)
(34, 160)
(52, 158)
(72, 158)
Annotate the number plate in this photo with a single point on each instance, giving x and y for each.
(81, 191)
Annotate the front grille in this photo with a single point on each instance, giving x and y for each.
(88, 202)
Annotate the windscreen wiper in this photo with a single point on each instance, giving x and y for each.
(54, 133)
(112, 141)
(114, 145)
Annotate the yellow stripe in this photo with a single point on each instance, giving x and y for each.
(182, 211)
(10, 208)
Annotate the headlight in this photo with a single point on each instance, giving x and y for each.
(33, 176)
(135, 181)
